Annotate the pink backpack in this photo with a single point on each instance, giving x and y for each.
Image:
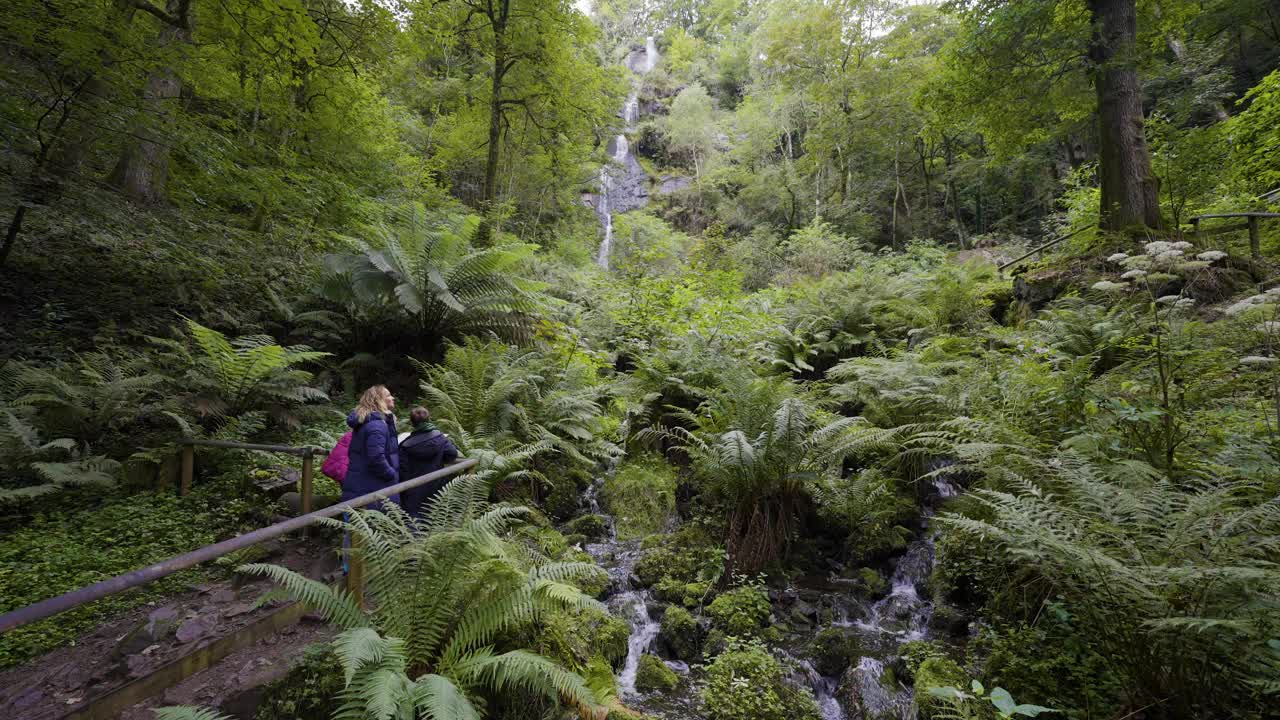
(335, 466)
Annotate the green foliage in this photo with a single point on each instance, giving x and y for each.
(35, 467)
(933, 672)
(1254, 135)
(1177, 571)
(69, 549)
(676, 561)
(746, 683)
(682, 633)
(426, 275)
(449, 588)
(743, 610)
(592, 527)
(228, 381)
(871, 507)
(640, 495)
(311, 688)
(653, 674)
(963, 705)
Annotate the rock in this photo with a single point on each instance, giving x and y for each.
(138, 665)
(30, 698)
(593, 527)
(1038, 288)
(197, 628)
(833, 650)
(292, 501)
(223, 595)
(159, 625)
(239, 609)
(653, 674)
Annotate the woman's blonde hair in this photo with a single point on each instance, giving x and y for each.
(375, 399)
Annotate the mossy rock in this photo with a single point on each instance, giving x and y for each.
(681, 633)
(871, 583)
(653, 674)
(688, 595)
(915, 652)
(833, 650)
(562, 502)
(610, 641)
(933, 672)
(715, 643)
(593, 527)
(311, 689)
(741, 611)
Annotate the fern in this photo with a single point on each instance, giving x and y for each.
(445, 590)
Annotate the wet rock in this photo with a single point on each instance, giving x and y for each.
(833, 650)
(138, 665)
(224, 595)
(239, 609)
(197, 628)
(159, 625)
(593, 527)
(29, 698)
(1038, 288)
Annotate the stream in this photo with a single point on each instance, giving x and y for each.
(879, 628)
(623, 184)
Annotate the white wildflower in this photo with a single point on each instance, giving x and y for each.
(1257, 361)
(1246, 304)
(1270, 327)
(1274, 291)
(1181, 245)
(1168, 299)
(1137, 261)
(1168, 256)
(1185, 303)
(1108, 286)
(1131, 274)
(1190, 265)
(1118, 257)
(1211, 255)
(1156, 247)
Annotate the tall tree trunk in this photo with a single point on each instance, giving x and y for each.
(143, 168)
(1130, 191)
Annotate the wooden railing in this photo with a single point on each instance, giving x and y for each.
(1252, 219)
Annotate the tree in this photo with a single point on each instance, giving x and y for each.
(1007, 53)
(691, 126)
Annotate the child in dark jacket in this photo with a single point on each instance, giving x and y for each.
(425, 450)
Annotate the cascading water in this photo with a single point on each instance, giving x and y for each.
(650, 54)
(622, 182)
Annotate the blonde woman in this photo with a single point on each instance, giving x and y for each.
(373, 459)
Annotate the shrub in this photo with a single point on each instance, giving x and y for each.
(745, 682)
(310, 689)
(653, 674)
(741, 611)
(641, 496)
(681, 632)
(935, 671)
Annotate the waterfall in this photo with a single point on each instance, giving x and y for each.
(606, 219)
(650, 54)
(631, 110)
(643, 631)
(620, 148)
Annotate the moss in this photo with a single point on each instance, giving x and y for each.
(685, 556)
(915, 652)
(310, 689)
(562, 502)
(832, 651)
(610, 639)
(593, 527)
(681, 633)
(715, 643)
(741, 611)
(653, 674)
(871, 583)
(688, 595)
(935, 672)
(745, 682)
(641, 495)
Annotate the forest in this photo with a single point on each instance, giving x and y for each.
(818, 359)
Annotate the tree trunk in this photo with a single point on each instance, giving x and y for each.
(1130, 191)
(143, 168)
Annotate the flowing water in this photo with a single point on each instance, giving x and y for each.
(623, 184)
(864, 692)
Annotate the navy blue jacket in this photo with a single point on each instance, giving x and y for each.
(373, 462)
(421, 453)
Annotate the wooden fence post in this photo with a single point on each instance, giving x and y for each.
(308, 470)
(1255, 244)
(1195, 233)
(355, 569)
(188, 468)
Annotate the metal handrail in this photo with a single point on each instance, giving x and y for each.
(284, 449)
(164, 568)
(1037, 249)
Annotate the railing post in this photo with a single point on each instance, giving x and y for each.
(1255, 244)
(1195, 232)
(308, 469)
(188, 468)
(355, 568)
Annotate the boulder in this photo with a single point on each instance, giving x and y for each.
(197, 628)
(158, 626)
